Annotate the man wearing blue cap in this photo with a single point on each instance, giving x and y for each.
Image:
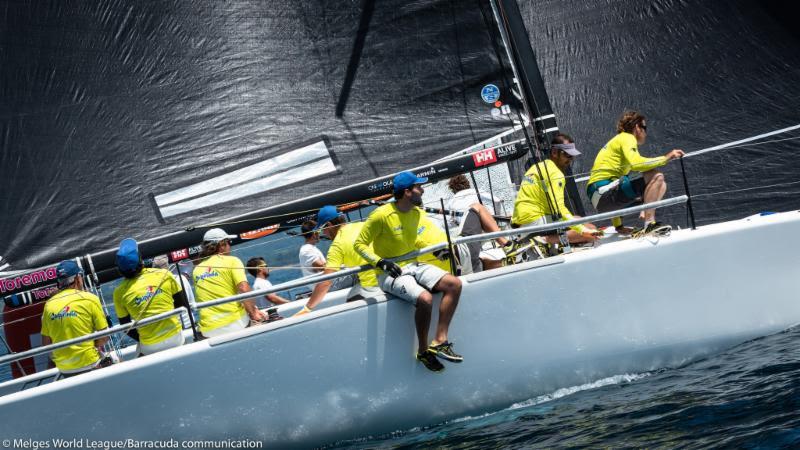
(391, 231)
(146, 292)
(341, 254)
(73, 313)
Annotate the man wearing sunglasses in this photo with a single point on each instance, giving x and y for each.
(609, 186)
(540, 199)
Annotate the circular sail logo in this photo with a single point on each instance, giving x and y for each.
(490, 93)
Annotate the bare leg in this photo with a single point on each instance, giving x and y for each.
(655, 188)
(450, 287)
(422, 318)
(488, 224)
(489, 264)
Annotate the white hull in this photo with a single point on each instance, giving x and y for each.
(348, 370)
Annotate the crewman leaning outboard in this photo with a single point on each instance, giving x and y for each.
(219, 275)
(341, 254)
(146, 292)
(609, 186)
(392, 231)
(72, 313)
(540, 199)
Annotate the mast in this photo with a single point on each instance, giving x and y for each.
(538, 111)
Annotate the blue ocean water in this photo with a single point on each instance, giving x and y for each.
(746, 397)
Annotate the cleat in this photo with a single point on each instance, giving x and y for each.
(428, 359)
(445, 351)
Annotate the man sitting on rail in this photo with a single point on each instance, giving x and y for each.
(219, 275)
(72, 313)
(391, 231)
(609, 186)
(146, 292)
(257, 267)
(540, 199)
(341, 254)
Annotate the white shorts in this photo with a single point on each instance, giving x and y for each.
(359, 292)
(174, 341)
(240, 324)
(416, 279)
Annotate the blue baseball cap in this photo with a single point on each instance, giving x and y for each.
(405, 180)
(128, 258)
(325, 215)
(67, 268)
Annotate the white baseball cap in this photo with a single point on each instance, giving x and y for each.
(216, 235)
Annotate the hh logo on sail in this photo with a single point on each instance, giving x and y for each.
(484, 157)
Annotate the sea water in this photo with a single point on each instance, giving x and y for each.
(746, 397)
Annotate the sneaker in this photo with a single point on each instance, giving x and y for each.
(445, 351)
(272, 315)
(652, 229)
(429, 360)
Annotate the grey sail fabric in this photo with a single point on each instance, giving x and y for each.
(704, 73)
(144, 118)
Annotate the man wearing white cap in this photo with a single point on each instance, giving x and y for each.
(540, 198)
(218, 275)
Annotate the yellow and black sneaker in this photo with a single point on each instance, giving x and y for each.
(428, 359)
(445, 351)
(652, 229)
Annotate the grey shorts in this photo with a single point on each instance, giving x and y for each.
(621, 196)
(416, 279)
(359, 292)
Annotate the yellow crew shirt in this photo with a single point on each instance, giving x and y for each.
(391, 232)
(532, 199)
(148, 294)
(429, 233)
(619, 157)
(216, 277)
(342, 253)
(69, 314)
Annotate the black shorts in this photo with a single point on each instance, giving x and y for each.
(617, 197)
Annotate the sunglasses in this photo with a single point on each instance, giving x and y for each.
(643, 126)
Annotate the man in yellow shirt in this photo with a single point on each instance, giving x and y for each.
(73, 313)
(146, 292)
(609, 186)
(540, 198)
(391, 231)
(341, 254)
(219, 275)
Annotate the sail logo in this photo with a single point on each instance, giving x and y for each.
(502, 152)
(380, 185)
(484, 157)
(427, 173)
(64, 313)
(150, 292)
(29, 279)
(178, 255)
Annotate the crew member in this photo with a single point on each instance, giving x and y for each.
(144, 293)
(218, 275)
(342, 254)
(73, 313)
(477, 218)
(540, 199)
(609, 186)
(391, 231)
(312, 261)
(257, 267)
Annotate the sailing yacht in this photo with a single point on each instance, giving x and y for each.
(347, 370)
